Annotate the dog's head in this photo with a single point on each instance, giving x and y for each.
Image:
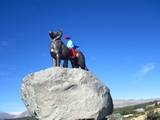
(55, 35)
(52, 35)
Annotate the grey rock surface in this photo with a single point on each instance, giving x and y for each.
(66, 94)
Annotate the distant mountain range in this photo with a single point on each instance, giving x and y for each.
(23, 114)
(117, 104)
(123, 103)
(4, 115)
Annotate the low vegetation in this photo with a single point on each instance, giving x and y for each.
(152, 115)
(25, 118)
(146, 111)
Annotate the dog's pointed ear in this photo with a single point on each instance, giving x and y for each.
(50, 32)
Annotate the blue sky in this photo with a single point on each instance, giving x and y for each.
(120, 39)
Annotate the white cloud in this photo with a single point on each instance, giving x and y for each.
(143, 72)
(147, 68)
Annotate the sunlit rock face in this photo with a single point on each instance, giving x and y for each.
(66, 94)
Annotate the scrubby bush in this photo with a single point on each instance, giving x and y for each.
(157, 105)
(153, 115)
(116, 116)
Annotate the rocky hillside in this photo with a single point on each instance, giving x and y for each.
(146, 111)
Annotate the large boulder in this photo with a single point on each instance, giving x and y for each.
(66, 94)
